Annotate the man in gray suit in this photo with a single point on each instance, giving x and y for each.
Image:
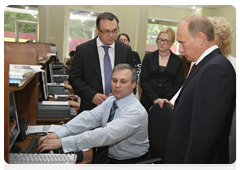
(87, 75)
(203, 111)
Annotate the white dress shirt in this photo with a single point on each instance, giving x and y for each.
(126, 135)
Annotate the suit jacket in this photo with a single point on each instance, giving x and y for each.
(85, 74)
(156, 84)
(203, 112)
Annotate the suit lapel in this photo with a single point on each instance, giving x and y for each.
(156, 59)
(118, 52)
(170, 61)
(196, 69)
(94, 56)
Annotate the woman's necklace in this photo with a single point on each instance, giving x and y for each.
(163, 55)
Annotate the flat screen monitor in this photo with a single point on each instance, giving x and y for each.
(50, 73)
(13, 117)
(43, 85)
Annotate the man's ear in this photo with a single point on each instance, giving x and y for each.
(97, 30)
(201, 37)
(134, 85)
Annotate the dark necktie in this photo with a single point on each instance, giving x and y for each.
(192, 68)
(104, 150)
(107, 70)
(112, 112)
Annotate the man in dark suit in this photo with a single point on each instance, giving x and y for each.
(203, 110)
(87, 75)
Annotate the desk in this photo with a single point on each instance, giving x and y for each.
(87, 155)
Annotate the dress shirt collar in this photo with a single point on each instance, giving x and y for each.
(100, 44)
(124, 101)
(208, 51)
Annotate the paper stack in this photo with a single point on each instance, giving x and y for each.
(18, 73)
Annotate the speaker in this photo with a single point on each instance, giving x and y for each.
(23, 127)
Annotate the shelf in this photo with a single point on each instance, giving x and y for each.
(22, 86)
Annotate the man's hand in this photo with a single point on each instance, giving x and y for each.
(74, 103)
(49, 142)
(72, 96)
(99, 98)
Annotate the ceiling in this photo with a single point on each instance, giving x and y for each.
(197, 6)
(35, 7)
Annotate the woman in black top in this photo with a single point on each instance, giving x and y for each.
(126, 40)
(162, 71)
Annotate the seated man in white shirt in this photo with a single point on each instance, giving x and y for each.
(126, 136)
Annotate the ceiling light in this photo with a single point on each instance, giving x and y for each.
(193, 7)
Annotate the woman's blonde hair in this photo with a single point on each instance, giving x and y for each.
(169, 31)
(224, 30)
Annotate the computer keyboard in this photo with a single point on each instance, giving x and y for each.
(63, 99)
(34, 158)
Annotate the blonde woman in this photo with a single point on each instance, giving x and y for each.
(162, 72)
(223, 38)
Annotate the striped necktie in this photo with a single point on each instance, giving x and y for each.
(112, 112)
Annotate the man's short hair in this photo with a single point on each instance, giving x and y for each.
(106, 16)
(129, 67)
(199, 23)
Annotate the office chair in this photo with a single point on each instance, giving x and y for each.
(159, 121)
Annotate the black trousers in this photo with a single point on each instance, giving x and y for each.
(115, 164)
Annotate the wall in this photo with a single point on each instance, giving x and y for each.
(53, 26)
(161, 12)
(133, 21)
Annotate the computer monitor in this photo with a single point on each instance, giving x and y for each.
(13, 116)
(50, 73)
(43, 85)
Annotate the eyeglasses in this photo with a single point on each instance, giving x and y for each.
(115, 31)
(163, 40)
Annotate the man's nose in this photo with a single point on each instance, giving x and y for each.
(180, 50)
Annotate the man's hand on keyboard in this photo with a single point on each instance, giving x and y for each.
(49, 142)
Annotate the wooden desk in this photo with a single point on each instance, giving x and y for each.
(26, 95)
(87, 155)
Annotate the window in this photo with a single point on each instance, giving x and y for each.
(154, 27)
(20, 23)
(82, 27)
